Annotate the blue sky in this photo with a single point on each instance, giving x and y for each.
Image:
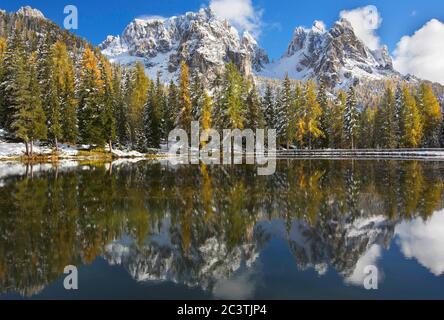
(277, 18)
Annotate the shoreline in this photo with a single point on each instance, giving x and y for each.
(364, 154)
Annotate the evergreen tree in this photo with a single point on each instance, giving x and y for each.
(3, 48)
(37, 128)
(196, 94)
(171, 109)
(284, 107)
(254, 116)
(184, 103)
(152, 115)
(410, 119)
(294, 115)
(28, 117)
(366, 128)
(351, 119)
(91, 91)
(14, 84)
(325, 121)
(120, 82)
(109, 130)
(388, 110)
(336, 121)
(268, 108)
(431, 115)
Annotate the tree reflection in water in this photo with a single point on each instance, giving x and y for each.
(196, 225)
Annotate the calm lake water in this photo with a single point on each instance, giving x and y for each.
(154, 231)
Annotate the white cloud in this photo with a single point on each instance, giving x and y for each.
(424, 241)
(422, 53)
(240, 13)
(365, 22)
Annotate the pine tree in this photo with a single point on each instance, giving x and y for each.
(152, 115)
(3, 48)
(28, 116)
(91, 90)
(336, 121)
(410, 119)
(351, 119)
(196, 94)
(37, 129)
(13, 86)
(388, 110)
(254, 116)
(185, 105)
(171, 109)
(108, 125)
(324, 105)
(431, 115)
(121, 82)
(268, 108)
(284, 107)
(366, 128)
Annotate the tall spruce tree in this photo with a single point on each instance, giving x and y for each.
(284, 107)
(388, 110)
(13, 87)
(3, 48)
(254, 116)
(351, 126)
(152, 114)
(197, 95)
(325, 121)
(268, 108)
(171, 109)
(109, 127)
(336, 121)
(91, 91)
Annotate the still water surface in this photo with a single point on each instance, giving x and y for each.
(154, 231)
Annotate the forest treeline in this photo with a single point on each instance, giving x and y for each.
(50, 92)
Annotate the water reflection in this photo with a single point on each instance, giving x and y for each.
(206, 227)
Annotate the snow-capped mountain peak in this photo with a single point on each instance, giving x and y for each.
(202, 40)
(337, 56)
(30, 12)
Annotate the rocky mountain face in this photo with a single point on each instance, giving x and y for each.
(30, 12)
(336, 56)
(200, 39)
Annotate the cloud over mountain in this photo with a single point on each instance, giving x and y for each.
(422, 53)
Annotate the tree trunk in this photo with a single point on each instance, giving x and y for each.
(32, 148)
(27, 148)
(56, 145)
(110, 146)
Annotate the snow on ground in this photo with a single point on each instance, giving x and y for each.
(14, 150)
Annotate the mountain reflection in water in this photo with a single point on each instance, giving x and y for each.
(218, 229)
